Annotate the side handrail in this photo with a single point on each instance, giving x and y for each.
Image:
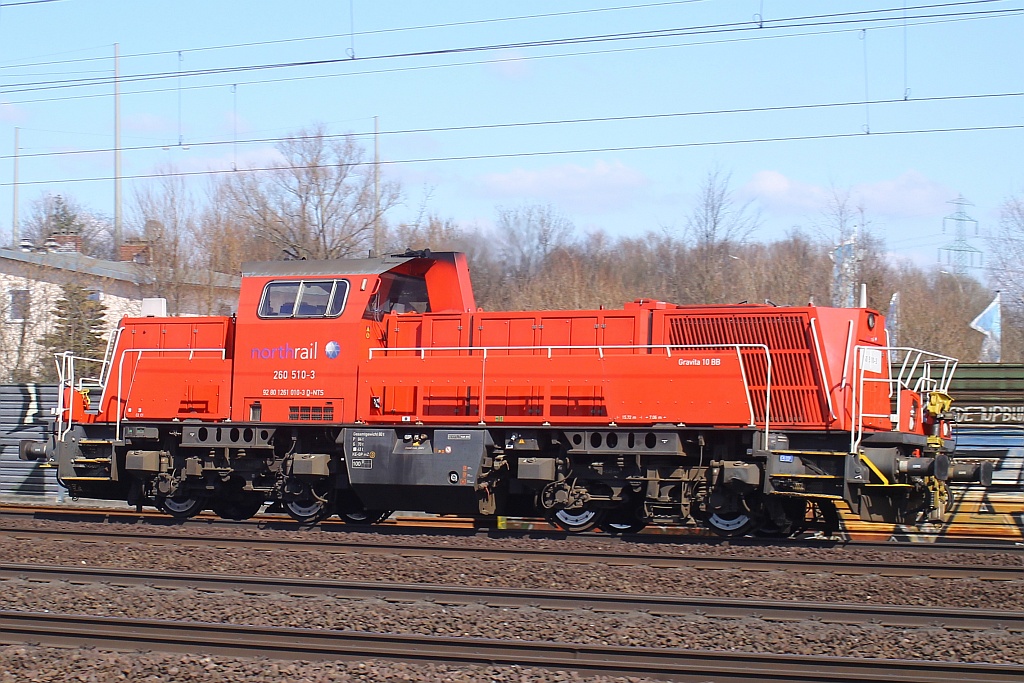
(601, 349)
(122, 402)
(67, 378)
(825, 386)
(112, 339)
(920, 371)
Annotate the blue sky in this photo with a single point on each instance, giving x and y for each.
(747, 97)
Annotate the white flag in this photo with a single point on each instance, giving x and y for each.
(892, 320)
(990, 323)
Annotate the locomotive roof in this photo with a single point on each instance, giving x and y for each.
(361, 266)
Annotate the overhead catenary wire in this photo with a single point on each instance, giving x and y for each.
(543, 153)
(19, 3)
(525, 124)
(333, 36)
(835, 19)
(459, 64)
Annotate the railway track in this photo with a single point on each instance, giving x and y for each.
(533, 527)
(622, 553)
(112, 633)
(717, 607)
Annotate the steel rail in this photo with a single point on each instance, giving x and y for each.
(628, 557)
(397, 526)
(120, 634)
(662, 605)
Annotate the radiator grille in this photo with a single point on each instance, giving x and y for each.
(311, 413)
(796, 396)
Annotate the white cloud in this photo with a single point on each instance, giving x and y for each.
(780, 194)
(10, 113)
(598, 188)
(909, 195)
(511, 64)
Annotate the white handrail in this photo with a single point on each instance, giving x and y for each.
(667, 348)
(914, 361)
(825, 386)
(66, 372)
(67, 378)
(120, 374)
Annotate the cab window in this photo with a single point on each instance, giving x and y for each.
(398, 293)
(304, 299)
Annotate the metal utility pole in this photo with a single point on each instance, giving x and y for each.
(845, 258)
(376, 187)
(960, 255)
(117, 155)
(15, 237)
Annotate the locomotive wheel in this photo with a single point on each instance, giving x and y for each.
(364, 516)
(730, 524)
(181, 507)
(307, 510)
(625, 521)
(576, 521)
(792, 521)
(238, 508)
(622, 527)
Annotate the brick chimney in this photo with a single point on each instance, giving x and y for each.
(136, 251)
(67, 243)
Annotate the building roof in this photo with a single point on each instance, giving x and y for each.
(125, 271)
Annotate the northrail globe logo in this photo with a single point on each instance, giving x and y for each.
(332, 349)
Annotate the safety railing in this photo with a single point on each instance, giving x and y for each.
(122, 402)
(922, 372)
(67, 378)
(109, 390)
(483, 352)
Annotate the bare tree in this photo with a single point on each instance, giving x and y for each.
(526, 235)
(653, 266)
(586, 275)
(1006, 252)
(18, 335)
(426, 231)
(858, 255)
(936, 309)
(319, 202)
(223, 239)
(716, 225)
(54, 215)
(162, 220)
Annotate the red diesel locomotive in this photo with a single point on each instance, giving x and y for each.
(363, 386)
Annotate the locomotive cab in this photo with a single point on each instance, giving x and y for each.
(304, 327)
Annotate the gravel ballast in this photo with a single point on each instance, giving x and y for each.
(631, 628)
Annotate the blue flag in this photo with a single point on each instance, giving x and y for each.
(990, 323)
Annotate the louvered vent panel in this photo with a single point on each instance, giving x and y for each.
(796, 397)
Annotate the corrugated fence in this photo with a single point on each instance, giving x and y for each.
(25, 413)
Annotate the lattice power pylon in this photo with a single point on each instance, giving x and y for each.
(960, 254)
